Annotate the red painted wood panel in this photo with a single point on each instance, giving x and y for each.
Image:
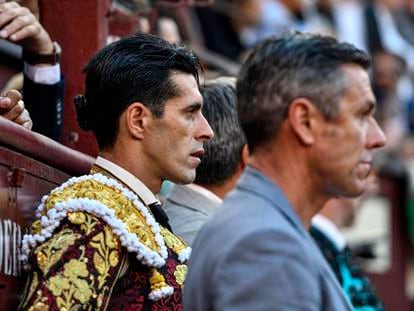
(81, 28)
(18, 201)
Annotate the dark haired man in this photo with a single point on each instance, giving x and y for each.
(101, 241)
(306, 106)
(189, 206)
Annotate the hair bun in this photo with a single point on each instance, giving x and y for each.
(83, 112)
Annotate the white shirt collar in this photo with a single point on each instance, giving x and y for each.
(130, 180)
(207, 193)
(330, 230)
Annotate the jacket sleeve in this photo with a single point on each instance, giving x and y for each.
(45, 105)
(76, 268)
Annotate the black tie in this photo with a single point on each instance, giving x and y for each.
(160, 215)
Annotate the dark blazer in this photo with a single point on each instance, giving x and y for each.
(45, 105)
(348, 272)
(254, 254)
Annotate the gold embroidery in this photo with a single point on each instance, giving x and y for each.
(110, 239)
(172, 241)
(71, 285)
(157, 280)
(180, 273)
(113, 198)
(42, 260)
(100, 300)
(74, 269)
(58, 284)
(83, 293)
(50, 252)
(114, 258)
(86, 221)
(77, 218)
(106, 245)
(106, 255)
(35, 227)
(40, 306)
(34, 282)
(62, 303)
(99, 263)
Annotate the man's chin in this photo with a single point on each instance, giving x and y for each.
(352, 190)
(185, 179)
(357, 190)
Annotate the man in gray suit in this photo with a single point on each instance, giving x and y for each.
(225, 157)
(306, 106)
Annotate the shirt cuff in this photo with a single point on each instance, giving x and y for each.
(44, 75)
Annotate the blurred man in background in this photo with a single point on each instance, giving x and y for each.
(325, 230)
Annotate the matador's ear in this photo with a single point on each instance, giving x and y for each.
(135, 119)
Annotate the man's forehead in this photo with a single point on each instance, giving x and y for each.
(185, 82)
(188, 89)
(357, 84)
(354, 73)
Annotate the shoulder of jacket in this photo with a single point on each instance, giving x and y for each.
(116, 205)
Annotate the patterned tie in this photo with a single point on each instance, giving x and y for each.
(160, 215)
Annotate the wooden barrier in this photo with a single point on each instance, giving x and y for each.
(30, 166)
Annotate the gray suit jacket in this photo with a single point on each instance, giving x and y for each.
(187, 211)
(254, 254)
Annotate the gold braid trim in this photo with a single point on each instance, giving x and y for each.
(111, 197)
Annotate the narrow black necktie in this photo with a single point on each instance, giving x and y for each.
(160, 215)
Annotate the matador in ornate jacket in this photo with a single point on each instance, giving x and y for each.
(96, 244)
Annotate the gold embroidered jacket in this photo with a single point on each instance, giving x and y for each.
(96, 246)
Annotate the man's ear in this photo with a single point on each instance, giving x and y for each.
(244, 158)
(302, 115)
(137, 117)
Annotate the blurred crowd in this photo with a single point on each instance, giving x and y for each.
(381, 27)
(228, 29)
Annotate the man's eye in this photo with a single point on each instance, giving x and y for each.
(191, 114)
(366, 113)
(192, 110)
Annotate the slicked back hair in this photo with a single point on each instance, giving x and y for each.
(134, 69)
(288, 66)
(223, 153)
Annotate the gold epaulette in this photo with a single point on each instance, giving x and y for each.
(115, 204)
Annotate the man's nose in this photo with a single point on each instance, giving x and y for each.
(205, 131)
(376, 137)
